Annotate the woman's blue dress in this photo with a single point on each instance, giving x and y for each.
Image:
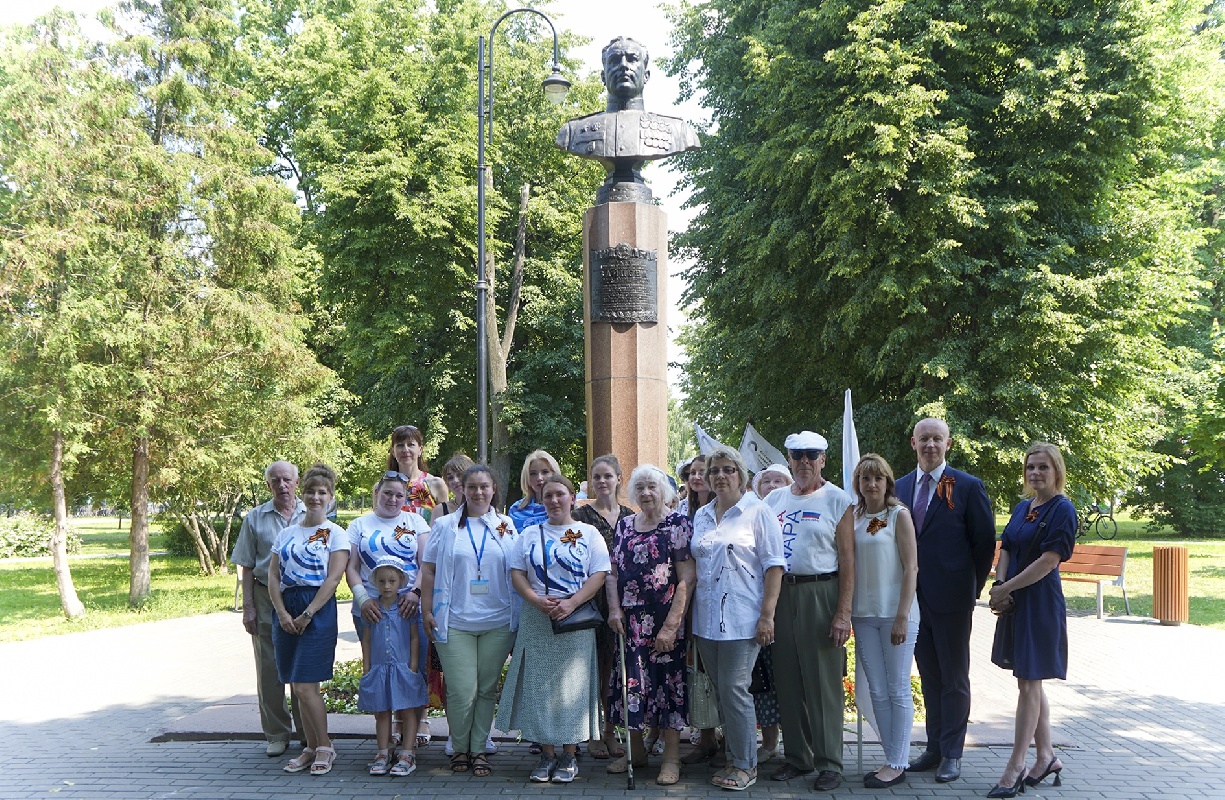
(1041, 637)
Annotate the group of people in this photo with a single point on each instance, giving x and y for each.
(608, 612)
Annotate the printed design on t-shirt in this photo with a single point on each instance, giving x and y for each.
(563, 568)
(733, 565)
(381, 543)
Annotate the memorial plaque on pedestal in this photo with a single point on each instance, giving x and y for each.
(624, 285)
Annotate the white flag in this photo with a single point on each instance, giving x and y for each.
(850, 445)
(757, 452)
(706, 444)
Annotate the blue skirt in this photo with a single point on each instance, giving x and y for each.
(310, 656)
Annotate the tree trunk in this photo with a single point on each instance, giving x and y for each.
(500, 345)
(138, 536)
(191, 524)
(69, 602)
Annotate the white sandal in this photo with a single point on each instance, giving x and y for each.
(324, 756)
(301, 762)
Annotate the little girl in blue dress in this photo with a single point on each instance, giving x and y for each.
(394, 678)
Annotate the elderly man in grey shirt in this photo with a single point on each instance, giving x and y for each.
(252, 552)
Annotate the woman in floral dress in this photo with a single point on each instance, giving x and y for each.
(649, 587)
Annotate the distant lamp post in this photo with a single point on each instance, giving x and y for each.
(555, 87)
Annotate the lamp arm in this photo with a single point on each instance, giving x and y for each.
(487, 68)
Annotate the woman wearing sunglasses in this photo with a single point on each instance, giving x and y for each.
(387, 531)
(814, 613)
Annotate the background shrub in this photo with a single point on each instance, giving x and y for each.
(27, 535)
(340, 693)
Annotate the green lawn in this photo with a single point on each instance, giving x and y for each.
(1207, 578)
(109, 535)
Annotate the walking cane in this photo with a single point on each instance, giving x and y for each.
(625, 705)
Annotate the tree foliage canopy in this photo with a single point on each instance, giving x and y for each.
(371, 107)
(982, 211)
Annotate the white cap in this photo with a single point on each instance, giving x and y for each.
(806, 440)
(390, 561)
(780, 468)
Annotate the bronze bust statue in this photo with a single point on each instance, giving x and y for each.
(624, 136)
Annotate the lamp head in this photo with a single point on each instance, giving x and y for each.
(555, 86)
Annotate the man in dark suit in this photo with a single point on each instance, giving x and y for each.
(956, 540)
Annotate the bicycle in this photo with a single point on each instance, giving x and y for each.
(1100, 518)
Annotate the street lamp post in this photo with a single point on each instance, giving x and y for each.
(555, 87)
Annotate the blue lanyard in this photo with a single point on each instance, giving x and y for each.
(480, 554)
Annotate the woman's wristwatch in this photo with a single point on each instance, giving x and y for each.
(416, 590)
(306, 613)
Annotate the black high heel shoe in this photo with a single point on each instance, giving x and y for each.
(1009, 791)
(1050, 768)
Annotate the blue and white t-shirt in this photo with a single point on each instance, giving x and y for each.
(377, 538)
(303, 552)
(572, 554)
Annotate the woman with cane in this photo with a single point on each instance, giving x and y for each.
(648, 589)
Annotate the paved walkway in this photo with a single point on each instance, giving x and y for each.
(87, 716)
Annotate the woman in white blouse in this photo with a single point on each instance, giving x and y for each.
(738, 549)
(552, 693)
(471, 612)
(885, 612)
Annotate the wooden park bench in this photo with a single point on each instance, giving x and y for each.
(1092, 563)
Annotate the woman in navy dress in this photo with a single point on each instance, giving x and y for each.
(1039, 536)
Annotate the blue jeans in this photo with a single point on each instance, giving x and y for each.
(887, 668)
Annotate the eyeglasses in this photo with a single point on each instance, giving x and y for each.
(811, 455)
(725, 470)
(392, 475)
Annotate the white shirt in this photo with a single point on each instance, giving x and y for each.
(878, 568)
(732, 556)
(572, 554)
(376, 537)
(304, 553)
(479, 549)
(936, 474)
(808, 523)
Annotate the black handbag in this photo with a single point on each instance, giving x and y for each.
(584, 618)
(1002, 647)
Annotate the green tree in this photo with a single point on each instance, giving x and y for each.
(371, 108)
(152, 277)
(972, 210)
(65, 144)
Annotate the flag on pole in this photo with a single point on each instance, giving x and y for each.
(850, 445)
(706, 444)
(757, 452)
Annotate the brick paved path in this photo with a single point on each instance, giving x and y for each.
(1141, 716)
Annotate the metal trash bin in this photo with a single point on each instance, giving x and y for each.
(1171, 584)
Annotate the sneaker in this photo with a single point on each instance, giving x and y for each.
(449, 749)
(567, 769)
(491, 746)
(544, 769)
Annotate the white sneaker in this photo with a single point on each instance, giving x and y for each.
(491, 746)
(449, 749)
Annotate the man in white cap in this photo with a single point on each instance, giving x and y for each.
(813, 617)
